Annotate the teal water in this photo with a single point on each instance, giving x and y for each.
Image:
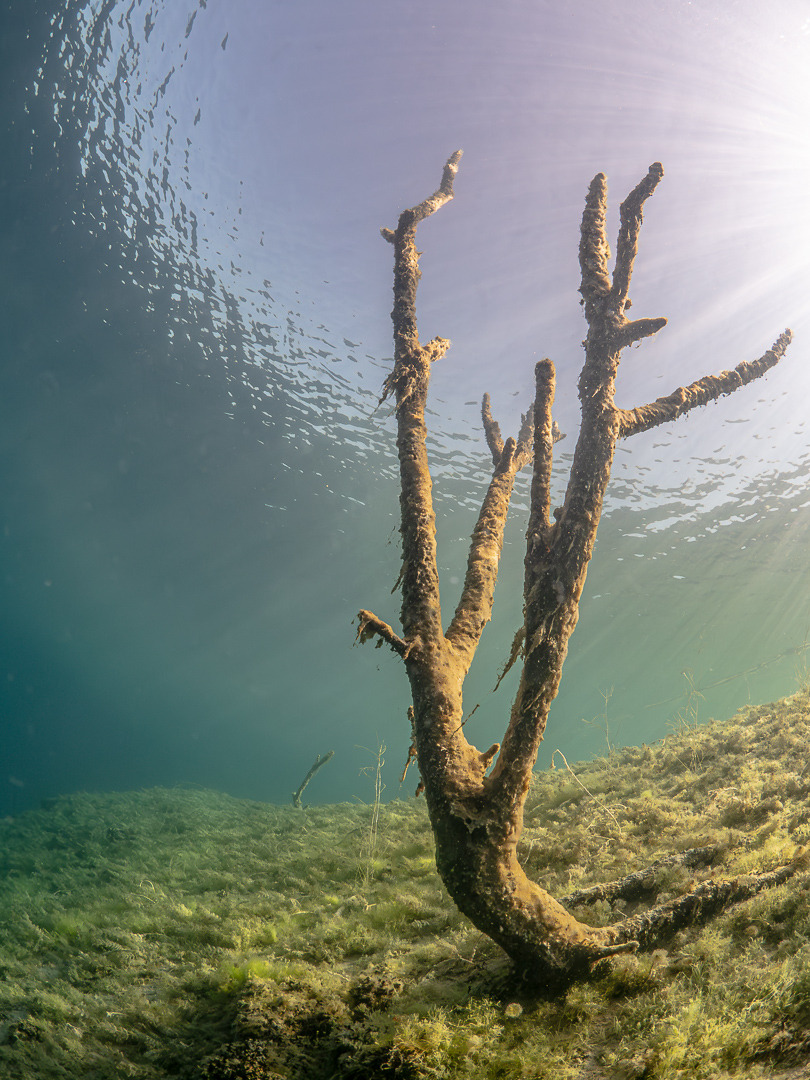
(199, 491)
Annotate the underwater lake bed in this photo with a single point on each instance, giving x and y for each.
(185, 933)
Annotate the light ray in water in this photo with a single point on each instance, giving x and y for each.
(233, 162)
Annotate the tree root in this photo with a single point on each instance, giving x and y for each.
(655, 926)
(641, 882)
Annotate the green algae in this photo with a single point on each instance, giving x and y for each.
(186, 933)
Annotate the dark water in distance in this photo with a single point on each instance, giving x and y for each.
(198, 491)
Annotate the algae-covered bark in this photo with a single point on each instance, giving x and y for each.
(477, 817)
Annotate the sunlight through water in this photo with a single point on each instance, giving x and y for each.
(234, 162)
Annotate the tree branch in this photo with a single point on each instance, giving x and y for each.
(557, 555)
(408, 381)
(491, 430)
(525, 441)
(474, 608)
(594, 249)
(320, 761)
(370, 626)
(406, 262)
(432, 203)
(630, 216)
(707, 389)
(629, 332)
(539, 530)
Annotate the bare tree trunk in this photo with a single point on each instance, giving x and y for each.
(477, 819)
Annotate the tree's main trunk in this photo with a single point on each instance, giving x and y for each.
(477, 823)
(477, 815)
(479, 867)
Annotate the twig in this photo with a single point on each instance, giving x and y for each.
(319, 763)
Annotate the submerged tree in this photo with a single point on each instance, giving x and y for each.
(476, 812)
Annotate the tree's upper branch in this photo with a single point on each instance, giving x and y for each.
(557, 554)
(406, 266)
(704, 390)
(525, 440)
(408, 381)
(594, 249)
(444, 192)
(491, 430)
(627, 245)
(544, 439)
(475, 605)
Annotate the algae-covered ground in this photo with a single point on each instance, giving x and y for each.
(184, 933)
